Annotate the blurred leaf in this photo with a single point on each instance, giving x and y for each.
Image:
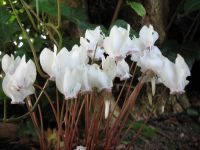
(121, 23)
(38, 43)
(190, 51)
(76, 15)
(27, 129)
(147, 132)
(7, 27)
(69, 42)
(192, 112)
(138, 8)
(4, 14)
(191, 5)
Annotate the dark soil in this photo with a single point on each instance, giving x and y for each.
(177, 132)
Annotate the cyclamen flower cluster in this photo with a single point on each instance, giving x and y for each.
(74, 73)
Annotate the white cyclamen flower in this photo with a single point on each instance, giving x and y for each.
(71, 59)
(174, 75)
(72, 81)
(146, 40)
(47, 61)
(71, 76)
(52, 62)
(118, 44)
(148, 36)
(93, 43)
(20, 76)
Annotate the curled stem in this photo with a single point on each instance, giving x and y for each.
(29, 15)
(59, 16)
(40, 21)
(58, 33)
(29, 41)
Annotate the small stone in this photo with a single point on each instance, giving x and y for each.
(182, 135)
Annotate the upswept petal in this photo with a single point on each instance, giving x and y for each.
(62, 59)
(60, 80)
(6, 62)
(93, 43)
(182, 72)
(109, 67)
(148, 36)
(9, 64)
(71, 83)
(78, 56)
(47, 60)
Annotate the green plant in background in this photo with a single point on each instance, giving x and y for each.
(138, 8)
(186, 20)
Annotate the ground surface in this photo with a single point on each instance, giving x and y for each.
(172, 133)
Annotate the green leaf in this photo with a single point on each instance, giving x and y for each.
(121, 23)
(138, 8)
(147, 132)
(4, 14)
(27, 129)
(192, 112)
(76, 15)
(190, 51)
(191, 5)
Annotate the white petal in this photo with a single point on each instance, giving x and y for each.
(78, 56)
(15, 91)
(59, 81)
(152, 60)
(47, 59)
(71, 84)
(182, 72)
(93, 43)
(148, 35)
(62, 60)
(14, 65)
(85, 86)
(31, 71)
(117, 45)
(167, 75)
(97, 78)
(109, 67)
(6, 62)
(107, 107)
(122, 70)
